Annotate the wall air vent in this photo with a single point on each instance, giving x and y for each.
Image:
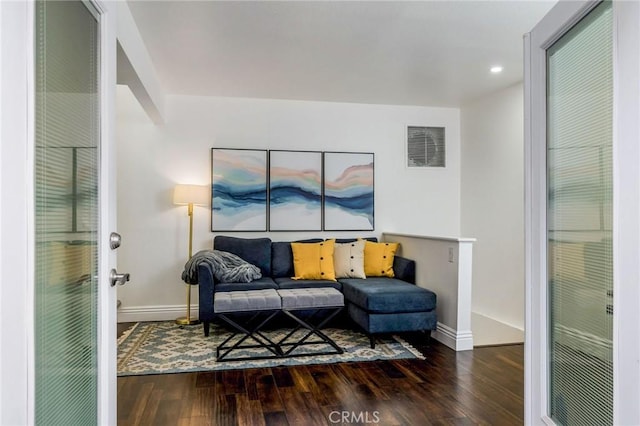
(425, 146)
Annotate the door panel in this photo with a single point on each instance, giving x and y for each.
(579, 221)
(67, 144)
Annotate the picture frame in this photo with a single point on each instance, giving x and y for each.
(349, 191)
(239, 190)
(425, 147)
(295, 190)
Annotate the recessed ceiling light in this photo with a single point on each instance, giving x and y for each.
(496, 69)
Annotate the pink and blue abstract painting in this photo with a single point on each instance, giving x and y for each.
(348, 191)
(238, 190)
(295, 191)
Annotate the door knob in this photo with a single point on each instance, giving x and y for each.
(117, 278)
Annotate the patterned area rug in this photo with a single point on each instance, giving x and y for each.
(164, 347)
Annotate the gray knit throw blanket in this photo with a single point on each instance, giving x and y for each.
(227, 267)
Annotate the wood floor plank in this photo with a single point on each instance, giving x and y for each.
(165, 412)
(302, 379)
(300, 409)
(249, 412)
(251, 378)
(481, 408)
(492, 395)
(206, 379)
(203, 402)
(268, 394)
(391, 370)
(357, 376)
(135, 415)
(225, 409)
(374, 371)
(196, 421)
(276, 418)
(328, 388)
(233, 381)
(282, 377)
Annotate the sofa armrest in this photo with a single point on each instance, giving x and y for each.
(206, 284)
(404, 269)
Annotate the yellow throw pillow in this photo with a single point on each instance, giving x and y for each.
(378, 259)
(313, 261)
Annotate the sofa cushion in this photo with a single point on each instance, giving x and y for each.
(314, 261)
(282, 257)
(259, 284)
(390, 295)
(287, 283)
(256, 251)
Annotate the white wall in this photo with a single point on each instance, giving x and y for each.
(135, 67)
(492, 191)
(152, 159)
(444, 266)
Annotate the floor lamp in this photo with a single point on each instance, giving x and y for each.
(190, 195)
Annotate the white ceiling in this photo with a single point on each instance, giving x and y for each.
(435, 53)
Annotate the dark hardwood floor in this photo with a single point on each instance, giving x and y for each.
(483, 386)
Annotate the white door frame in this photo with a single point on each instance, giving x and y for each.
(15, 189)
(626, 209)
(17, 214)
(107, 295)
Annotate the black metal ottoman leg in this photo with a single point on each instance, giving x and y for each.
(252, 331)
(311, 330)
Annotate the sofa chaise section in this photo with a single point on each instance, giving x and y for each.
(389, 305)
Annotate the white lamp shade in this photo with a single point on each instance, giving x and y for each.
(191, 194)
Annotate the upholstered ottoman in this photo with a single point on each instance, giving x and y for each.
(388, 305)
(302, 305)
(262, 306)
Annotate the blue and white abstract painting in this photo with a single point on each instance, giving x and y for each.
(239, 190)
(348, 191)
(295, 191)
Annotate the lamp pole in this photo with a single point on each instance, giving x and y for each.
(190, 213)
(190, 195)
(188, 320)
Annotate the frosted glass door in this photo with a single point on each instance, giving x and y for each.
(66, 213)
(579, 221)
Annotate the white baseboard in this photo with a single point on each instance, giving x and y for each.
(456, 340)
(154, 313)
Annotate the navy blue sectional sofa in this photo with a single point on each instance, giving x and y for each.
(377, 304)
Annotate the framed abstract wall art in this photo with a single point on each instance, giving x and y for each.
(239, 189)
(348, 191)
(295, 191)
